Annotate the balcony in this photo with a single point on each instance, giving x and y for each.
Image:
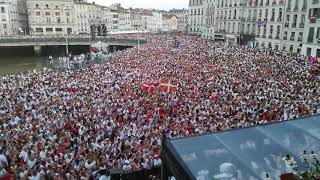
(291, 38)
(279, 20)
(286, 25)
(301, 25)
(313, 19)
(289, 9)
(294, 25)
(304, 8)
(270, 36)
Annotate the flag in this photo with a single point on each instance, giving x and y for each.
(149, 87)
(214, 96)
(168, 86)
(313, 60)
(72, 90)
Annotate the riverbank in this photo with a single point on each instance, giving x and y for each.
(12, 65)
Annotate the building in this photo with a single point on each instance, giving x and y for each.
(85, 15)
(169, 22)
(14, 17)
(51, 17)
(182, 16)
(311, 32)
(196, 17)
(151, 21)
(209, 19)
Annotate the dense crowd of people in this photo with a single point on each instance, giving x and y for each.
(84, 123)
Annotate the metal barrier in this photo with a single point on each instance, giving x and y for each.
(69, 39)
(146, 174)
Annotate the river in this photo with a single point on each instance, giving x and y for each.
(9, 65)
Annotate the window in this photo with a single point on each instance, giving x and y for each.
(39, 29)
(311, 34)
(38, 13)
(48, 20)
(3, 10)
(57, 13)
(300, 36)
(37, 5)
(291, 47)
(308, 51)
(47, 6)
(47, 13)
(67, 20)
(293, 34)
(49, 29)
(58, 20)
(67, 13)
(58, 29)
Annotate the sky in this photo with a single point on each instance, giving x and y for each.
(154, 4)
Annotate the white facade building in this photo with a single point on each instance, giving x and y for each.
(14, 19)
(51, 17)
(151, 21)
(196, 17)
(182, 16)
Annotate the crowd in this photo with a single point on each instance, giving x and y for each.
(82, 124)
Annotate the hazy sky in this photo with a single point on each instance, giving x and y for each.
(155, 4)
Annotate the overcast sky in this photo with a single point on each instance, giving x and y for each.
(154, 4)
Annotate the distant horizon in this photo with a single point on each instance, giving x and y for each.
(146, 4)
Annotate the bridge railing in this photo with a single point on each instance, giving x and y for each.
(68, 39)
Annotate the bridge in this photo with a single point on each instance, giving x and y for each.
(37, 42)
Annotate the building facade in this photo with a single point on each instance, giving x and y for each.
(14, 17)
(196, 17)
(182, 17)
(51, 17)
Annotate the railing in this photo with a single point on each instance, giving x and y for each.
(35, 39)
(286, 25)
(143, 174)
(279, 20)
(304, 8)
(301, 25)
